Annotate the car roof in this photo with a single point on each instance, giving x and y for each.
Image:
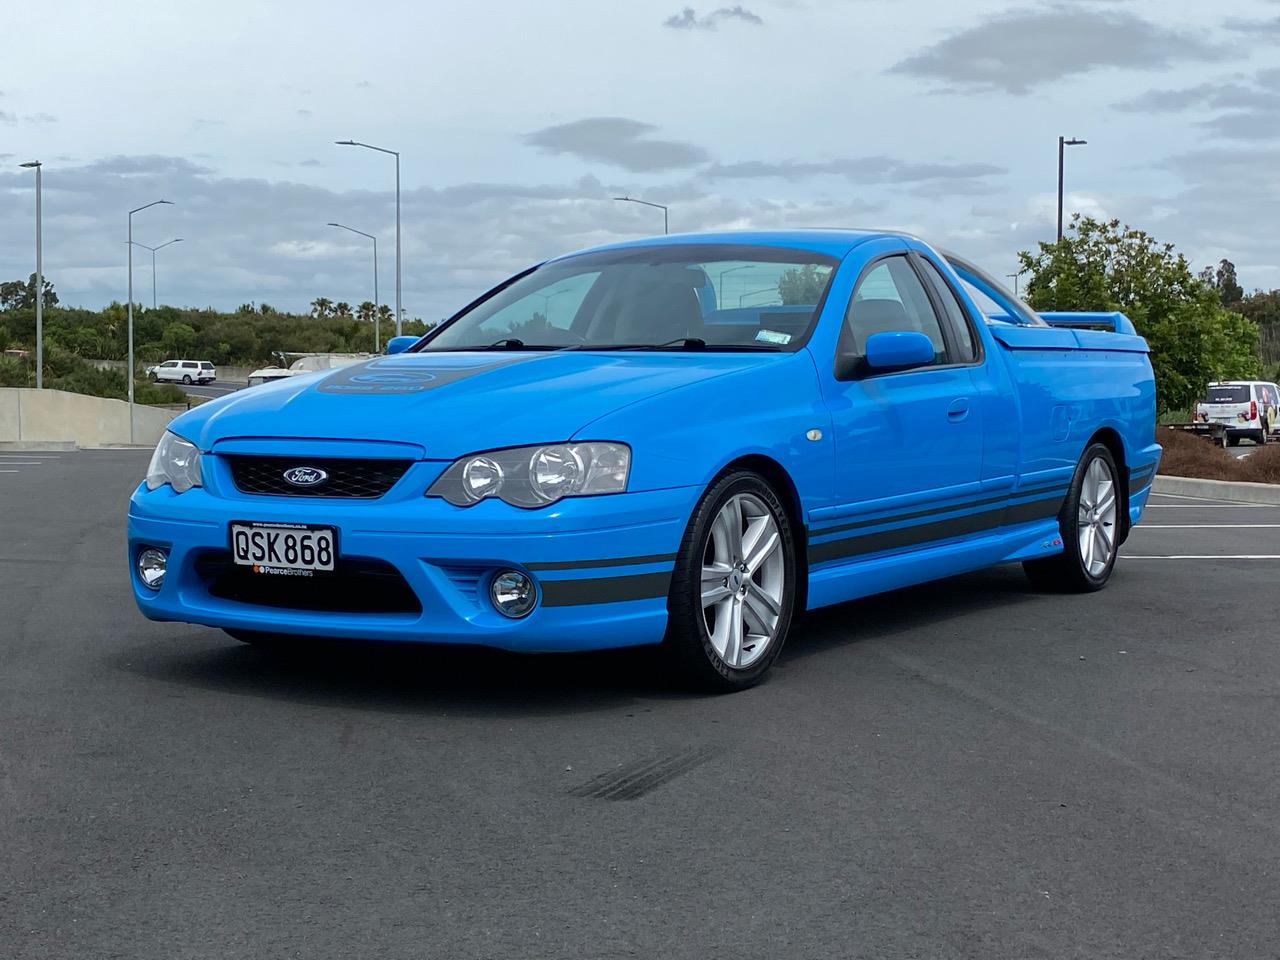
(834, 242)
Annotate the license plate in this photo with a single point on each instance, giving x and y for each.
(299, 549)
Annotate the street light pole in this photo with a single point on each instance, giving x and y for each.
(377, 340)
(1062, 143)
(396, 154)
(128, 373)
(36, 165)
(1014, 277)
(153, 264)
(665, 229)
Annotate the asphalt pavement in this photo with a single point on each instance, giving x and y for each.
(218, 388)
(963, 769)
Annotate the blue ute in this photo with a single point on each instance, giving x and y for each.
(683, 441)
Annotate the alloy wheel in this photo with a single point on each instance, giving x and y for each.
(743, 579)
(1096, 528)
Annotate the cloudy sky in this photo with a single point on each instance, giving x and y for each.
(519, 121)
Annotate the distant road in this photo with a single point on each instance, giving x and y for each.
(216, 389)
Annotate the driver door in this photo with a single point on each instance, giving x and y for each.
(906, 441)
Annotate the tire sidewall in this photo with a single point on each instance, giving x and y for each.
(1069, 521)
(687, 634)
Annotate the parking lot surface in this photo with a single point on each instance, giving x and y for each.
(963, 769)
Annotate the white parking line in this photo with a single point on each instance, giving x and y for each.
(1207, 526)
(1205, 556)
(1213, 506)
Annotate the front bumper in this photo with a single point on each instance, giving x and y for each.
(603, 564)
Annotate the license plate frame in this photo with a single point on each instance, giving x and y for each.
(271, 556)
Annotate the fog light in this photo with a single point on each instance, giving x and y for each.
(513, 593)
(152, 564)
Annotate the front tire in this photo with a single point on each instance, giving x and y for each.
(1090, 523)
(733, 590)
(186, 378)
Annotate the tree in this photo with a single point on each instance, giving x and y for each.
(1229, 290)
(385, 313)
(178, 339)
(321, 307)
(366, 311)
(1105, 266)
(803, 284)
(342, 309)
(16, 295)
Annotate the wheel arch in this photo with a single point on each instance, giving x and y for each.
(778, 477)
(1110, 438)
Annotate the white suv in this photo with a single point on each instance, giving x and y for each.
(1247, 409)
(184, 371)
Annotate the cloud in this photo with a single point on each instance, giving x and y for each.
(687, 19)
(39, 118)
(1255, 28)
(259, 239)
(1252, 105)
(617, 141)
(302, 112)
(856, 169)
(6, 117)
(1025, 48)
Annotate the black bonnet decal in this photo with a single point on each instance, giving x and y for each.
(386, 375)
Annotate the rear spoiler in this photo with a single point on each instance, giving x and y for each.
(1114, 322)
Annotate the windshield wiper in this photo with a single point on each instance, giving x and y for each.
(692, 344)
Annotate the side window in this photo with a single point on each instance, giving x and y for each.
(890, 297)
(958, 315)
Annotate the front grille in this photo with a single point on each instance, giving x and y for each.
(357, 585)
(351, 478)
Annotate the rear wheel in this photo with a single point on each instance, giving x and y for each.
(1090, 525)
(734, 586)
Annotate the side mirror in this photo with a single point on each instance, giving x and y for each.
(400, 344)
(898, 349)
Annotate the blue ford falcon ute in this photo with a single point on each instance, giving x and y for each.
(682, 441)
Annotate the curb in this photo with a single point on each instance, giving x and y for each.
(1218, 489)
(37, 445)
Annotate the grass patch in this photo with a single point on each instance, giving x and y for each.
(1186, 455)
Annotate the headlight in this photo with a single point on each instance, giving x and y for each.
(536, 476)
(175, 462)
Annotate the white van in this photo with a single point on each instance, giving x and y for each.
(1249, 409)
(184, 371)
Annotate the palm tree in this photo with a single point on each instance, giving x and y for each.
(342, 309)
(321, 306)
(365, 311)
(385, 313)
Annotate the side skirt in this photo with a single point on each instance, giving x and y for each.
(862, 577)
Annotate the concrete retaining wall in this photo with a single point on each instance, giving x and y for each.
(41, 415)
(1218, 489)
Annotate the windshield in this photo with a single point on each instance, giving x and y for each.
(673, 297)
(993, 298)
(1227, 393)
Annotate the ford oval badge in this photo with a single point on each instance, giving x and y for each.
(305, 476)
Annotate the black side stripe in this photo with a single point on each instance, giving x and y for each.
(939, 530)
(640, 586)
(611, 562)
(1058, 488)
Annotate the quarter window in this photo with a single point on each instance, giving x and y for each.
(957, 313)
(891, 298)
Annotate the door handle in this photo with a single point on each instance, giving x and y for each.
(958, 409)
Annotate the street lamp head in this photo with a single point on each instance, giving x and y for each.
(332, 224)
(345, 143)
(33, 163)
(1073, 142)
